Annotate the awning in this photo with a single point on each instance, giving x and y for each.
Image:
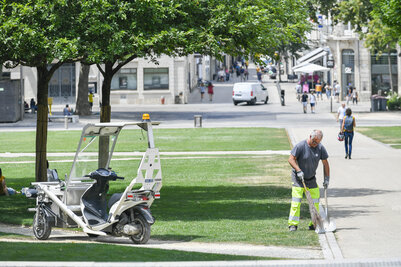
(310, 57)
(318, 52)
(310, 68)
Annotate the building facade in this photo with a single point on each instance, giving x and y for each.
(138, 82)
(352, 63)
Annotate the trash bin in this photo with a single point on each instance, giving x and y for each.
(177, 99)
(374, 101)
(198, 121)
(382, 104)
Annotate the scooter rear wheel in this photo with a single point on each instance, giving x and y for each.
(143, 236)
(41, 226)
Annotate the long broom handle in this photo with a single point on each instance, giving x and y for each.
(327, 205)
(312, 205)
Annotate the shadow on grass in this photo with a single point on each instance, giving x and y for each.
(189, 203)
(177, 237)
(203, 203)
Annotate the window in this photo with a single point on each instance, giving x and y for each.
(381, 81)
(62, 83)
(347, 71)
(124, 79)
(155, 79)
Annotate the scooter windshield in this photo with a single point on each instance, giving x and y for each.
(94, 152)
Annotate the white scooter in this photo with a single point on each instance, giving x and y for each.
(80, 200)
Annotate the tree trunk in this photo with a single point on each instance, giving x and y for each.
(390, 69)
(82, 105)
(41, 124)
(105, 114)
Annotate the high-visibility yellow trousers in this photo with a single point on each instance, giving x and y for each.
(297, 195)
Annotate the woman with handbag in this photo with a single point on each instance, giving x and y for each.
(348, 130)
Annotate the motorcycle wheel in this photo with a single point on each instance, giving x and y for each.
(143, 236)
(41, 226)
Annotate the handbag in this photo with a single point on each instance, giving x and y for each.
(340, 136)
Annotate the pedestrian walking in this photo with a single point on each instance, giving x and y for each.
(341, 114)
(298, 90)
(210, 91)
(354, 97)
(312, 102)
(304, 100)
(90, 100)
(328, 91)
(348, 130)
(259, 75)
(304, 160)
(246, 74)
(319, 89)
(242, 73)
(349, 95)
(337, 90)
(202, 90)
(305, 87)
(33, 106)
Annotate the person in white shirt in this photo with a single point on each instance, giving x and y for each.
(341, 113)
(337, 90)
(312, 102)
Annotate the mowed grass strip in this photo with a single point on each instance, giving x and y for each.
(189, 139)
(42, 251)
(389, 135)
(231, 199)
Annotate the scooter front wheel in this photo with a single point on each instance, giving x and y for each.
(143, 236)
(41, 226)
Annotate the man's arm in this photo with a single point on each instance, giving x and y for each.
(326, 168)
(292, 160)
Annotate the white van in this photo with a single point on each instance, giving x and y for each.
(250, 93)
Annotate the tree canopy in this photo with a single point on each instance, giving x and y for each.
(37, 34)
(111, 33)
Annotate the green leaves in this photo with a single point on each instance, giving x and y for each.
(36, 33)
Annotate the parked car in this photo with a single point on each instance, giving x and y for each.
(249, 93)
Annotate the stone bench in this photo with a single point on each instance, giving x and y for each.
(71, 118)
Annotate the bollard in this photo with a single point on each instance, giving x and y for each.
(66, 122)
(198, 121)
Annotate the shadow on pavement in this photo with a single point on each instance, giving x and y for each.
(355, 192)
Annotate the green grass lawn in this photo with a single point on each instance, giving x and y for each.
(388, 135)
(12, 251)
(191, 139)
(202, 199)
(222, 198)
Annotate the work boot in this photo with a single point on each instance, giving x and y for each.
(349, 156)
(293, 228)
(346, 155)
(312, 227)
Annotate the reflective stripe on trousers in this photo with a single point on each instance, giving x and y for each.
(297, 195)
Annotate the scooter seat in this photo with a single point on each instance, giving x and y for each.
(114, 198)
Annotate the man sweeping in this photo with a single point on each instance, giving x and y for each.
(304, 160)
